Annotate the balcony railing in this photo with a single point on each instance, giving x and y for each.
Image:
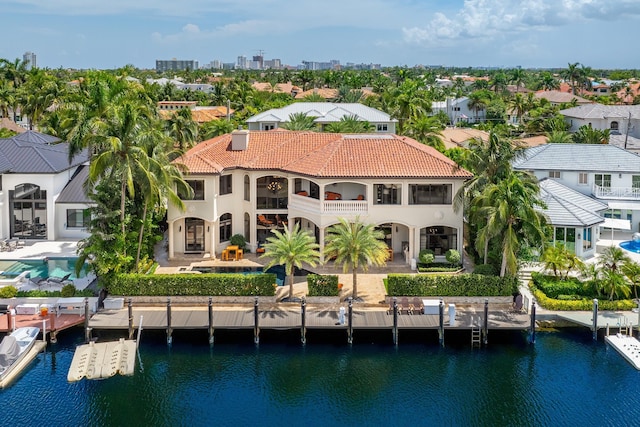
(343, 207)
(625, 193)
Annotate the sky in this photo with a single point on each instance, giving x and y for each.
(479, 33)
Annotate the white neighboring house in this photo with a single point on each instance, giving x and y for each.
(180, 85)
(253, 182)
(458, 110)
(623, 122)
(41, 192)
(325, 113)
(603, 172)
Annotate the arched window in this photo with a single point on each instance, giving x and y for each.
(225, 227)
(247, 227)
(614, 125)
(247, 188)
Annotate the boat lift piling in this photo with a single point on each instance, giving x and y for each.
(350, 325)
(87, 329)
(395, 321)
(441, 323)
(532, 327)
(130, 312)
(303, 321)
(256, 322)
(169, 328)
(210, 308)
(595, 319)
(485, 323)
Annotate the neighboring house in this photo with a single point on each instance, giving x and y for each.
(460, 137)
(556, 97)
(325, 113)
(252, 182)
(11, 125)
(196, 87)
(199, 114)
(16, 118)
(289, 88)
(574, 217)
(327, 93)
(41, 192)
(458, 110)
(604, 172)
(619, 119)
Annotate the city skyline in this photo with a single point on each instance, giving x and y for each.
(479, 33)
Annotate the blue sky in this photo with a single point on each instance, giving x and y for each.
(500, 33)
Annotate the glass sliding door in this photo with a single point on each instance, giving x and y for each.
(194, 235)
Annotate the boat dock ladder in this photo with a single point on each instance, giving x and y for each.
(476, 333)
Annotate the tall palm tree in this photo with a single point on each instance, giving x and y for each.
(349, 124)
(427, 130)
(510, 209)
(355, 245)
(181, 127)
(7, 97)
(559, 137)
(631, 270)
(291, 249)
(215, 128)
(560, 260)
(517, 77)
(573, 74)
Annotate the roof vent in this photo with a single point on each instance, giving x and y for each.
(239, 140)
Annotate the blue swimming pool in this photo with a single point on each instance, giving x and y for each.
(48, 267)
(631, 246)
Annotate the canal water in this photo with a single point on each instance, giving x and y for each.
(565, 379)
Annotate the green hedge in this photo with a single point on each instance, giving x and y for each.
(194, 284)
(553, 287)
(471, 285)
(584, 304)
(322, 286)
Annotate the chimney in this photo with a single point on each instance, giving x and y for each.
(239, 140)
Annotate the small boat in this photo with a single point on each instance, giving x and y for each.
(14, 348)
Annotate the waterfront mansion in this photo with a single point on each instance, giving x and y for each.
(254, 182)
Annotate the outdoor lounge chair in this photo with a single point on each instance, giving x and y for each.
(416, 306)
(405, 306)
(518, 303)
(59, 280)
(390, 309)
(264, 221)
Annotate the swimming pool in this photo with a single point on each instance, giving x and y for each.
(48, 267)
(631, 246)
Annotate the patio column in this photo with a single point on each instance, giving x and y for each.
(321, 243)
(412, 242)
(170, 235)
(212, 239)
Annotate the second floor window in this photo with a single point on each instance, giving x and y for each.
(635, 181)
(387, 194)
(554, 174)
(197, 185)
(225, 184)
(603, 180)
(430, 194)
(381, 127)
(583, 178)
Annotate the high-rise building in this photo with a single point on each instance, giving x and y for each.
(29, 59)
(175, 65)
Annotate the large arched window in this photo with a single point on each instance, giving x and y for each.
(247, 188)
(439, 239)
(225, 227)
(28, 208)
(614, 125)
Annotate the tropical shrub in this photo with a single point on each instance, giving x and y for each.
(193, 284)
(584, 304)
(444, 285)
(238, 240)
(485, 270)
(68, 291)
(426, 256)
(322, 286)
(453, 256)
(8, 292)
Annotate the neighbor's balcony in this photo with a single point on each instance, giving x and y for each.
(339, 207)
(622, 193)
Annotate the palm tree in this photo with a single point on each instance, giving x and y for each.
(182, 129)
(408, 101)
(517, 77)
(477, 102)
(215, 128)
(548, 82)
(291, 249)
(355, 245)
(559, 137)
(427, 130)
(510, 209)
(349, 124)
(632, 272)
(7, 97)
(588, 135)
(559, 259)
(300, 121)
(573, 75)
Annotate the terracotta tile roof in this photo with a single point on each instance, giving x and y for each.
(460, 137)
(280, 87)
(532, 141)
(326, 93)
(324, 155)
(560, 97)
(11, 125)
(200, 114)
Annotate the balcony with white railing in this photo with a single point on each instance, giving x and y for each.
(620, 193)
(329, 207)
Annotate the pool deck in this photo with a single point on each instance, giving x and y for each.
(39, 249)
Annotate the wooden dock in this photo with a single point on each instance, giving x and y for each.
(310, 317)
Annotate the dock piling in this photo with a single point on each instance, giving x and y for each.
(256, 325)
(303, 321)
(169, 328)
(210, 321)
(595, 319)
(130, 312)
(441, 323)
(532, 327)
(485, 324)
(87, 329)
(350, 325)
(395, 321)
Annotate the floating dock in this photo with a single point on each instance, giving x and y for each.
(627, 346)
(103, 360)
(38, 346)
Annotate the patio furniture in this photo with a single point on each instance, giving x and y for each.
(225, 255)
(232, 252)
(239, 254)
(417, 306)
(405, 305)
(264, 221)
(330, 195)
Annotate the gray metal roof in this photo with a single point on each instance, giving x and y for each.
(579, 157)
(324, 111)
(599, 111)
(33, 152)
(569, 207)
(74, 191)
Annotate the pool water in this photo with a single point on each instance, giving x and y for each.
(49, 267)
(631, 246)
